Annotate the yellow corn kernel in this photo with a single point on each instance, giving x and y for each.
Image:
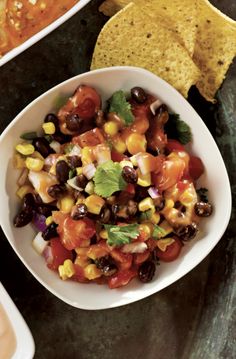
(92, 272)
(23, 190)
(82, 261)
(119, 145)
(48, 220)
(145, 204)
(136, 143)
(66, 204)
(34, 164)
(133, 159)
(79, 171)
(147, 228)
(126, 163)
(111, 128)
(162, 244)
(155, 218)
(38, 155)
(166, 227)
(169, 203)
(87, 155)
(94, 203)
(103, 234)
(81, 251)
(80, 200)
(25, 148)
(144, 180)
(66, 270)
(49, 128)
(52, 170)
(18, 161)
(187, 198)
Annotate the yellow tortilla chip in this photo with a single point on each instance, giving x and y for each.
(133, 38)
(215, 48)
(178, 16)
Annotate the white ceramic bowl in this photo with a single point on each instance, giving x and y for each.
(24, 340)
(93, 296)
(39, 35)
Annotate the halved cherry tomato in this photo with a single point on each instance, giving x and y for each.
(172, 251)
(59, 254)
(90, 138)
(72, 233)
(121, 278)
(196, 167)
(174, 145)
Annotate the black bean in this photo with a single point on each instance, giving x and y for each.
(81, 181)
(115, 209)
(73, 122)
(50, 232)
(62, 171)
(74, 161)
(61, 138)
(106, 265)
(79, 211)
(42, 146)
(141, 193)
(45, 209)
(105, 215)
(23, 218)
(132, 208)
(186, 233)
(50, 117)
(203, 209)
(138, 94)
(129, 174)
(159, 203)
(56, 190)
(28, 203)
(146, 271)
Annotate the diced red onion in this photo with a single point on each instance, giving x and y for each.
(89, 170)
(72, 182)
(56, 146)
(47, 253)
(153, 192)
(136, 247)
(39, 222)
(23, 177)
(155, 105)
(39, 243)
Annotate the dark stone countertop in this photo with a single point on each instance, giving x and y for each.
(194, 318)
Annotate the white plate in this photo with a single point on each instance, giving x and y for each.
(24, 340)
(92, 296)
(39, 35)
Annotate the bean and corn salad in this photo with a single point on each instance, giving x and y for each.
(110, 188)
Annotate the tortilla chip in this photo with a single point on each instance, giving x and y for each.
(215, 48)
(178, 16)
(133, 38)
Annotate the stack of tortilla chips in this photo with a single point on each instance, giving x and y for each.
(186, 42)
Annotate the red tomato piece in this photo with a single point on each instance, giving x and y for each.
(121, 278)
(141, 257)
(87, 102)
(79, 274)
(59, 254)
(117, 157)
(124, 260)
(72, 233)
(130, 188)
(196, 167)
(174, 145)
(172, 251)
(90, 138)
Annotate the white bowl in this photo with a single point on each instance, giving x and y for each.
(45, 31)
(24, 340)
(93, 296)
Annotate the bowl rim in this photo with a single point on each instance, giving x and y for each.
(172, 90)
(42, 33)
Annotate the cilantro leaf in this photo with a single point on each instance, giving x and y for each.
(108, 179)
(121, 107)
(119, 235)
(202, 193)
(158, 232)
(145, 216)
(178, 129)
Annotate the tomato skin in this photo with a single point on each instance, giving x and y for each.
(196, 168)
(117, 157)
(172, 251)
(121, 278)
(174, 145)
(124, 260)
(59, 254)
(89, 138)
(88, 102)
(141, 257)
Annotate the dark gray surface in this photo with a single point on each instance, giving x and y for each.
(194, 318)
